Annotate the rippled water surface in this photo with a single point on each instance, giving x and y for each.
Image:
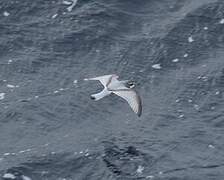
(51, 130)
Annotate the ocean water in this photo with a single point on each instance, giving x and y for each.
(50, 129)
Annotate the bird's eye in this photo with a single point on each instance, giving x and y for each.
(131, 84)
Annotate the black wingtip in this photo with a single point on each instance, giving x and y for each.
(140, 108)
(139, 114)
(92, 97)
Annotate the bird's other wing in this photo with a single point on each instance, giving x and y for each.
(105, 80)
(100, 95)
(132, 98)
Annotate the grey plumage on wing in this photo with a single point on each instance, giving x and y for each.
(124, 89)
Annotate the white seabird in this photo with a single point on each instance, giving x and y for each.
(123, 89)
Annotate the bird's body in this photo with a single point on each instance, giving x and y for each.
(121, 88)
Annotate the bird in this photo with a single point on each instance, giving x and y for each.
(123, 88)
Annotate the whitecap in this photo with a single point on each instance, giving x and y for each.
(185, 55)
(181, 115)
(221, 21)
(217, 92)
(196, 106)
(6, 13)
(156, 66)
(175, 60)
(9, 176)
(54, 16)
(66, 2)
(10, 86)
(25, 177)
(211, 146)
(74, 2)
(149, 177)
(26, 150)
(190, 39)
(2, 96)
(140, 169)
(9, 61)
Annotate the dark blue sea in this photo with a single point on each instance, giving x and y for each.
(50, 129)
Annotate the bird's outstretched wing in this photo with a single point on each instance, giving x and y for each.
(132, 98)
(105, 80)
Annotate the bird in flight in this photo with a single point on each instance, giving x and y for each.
(124, 89)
